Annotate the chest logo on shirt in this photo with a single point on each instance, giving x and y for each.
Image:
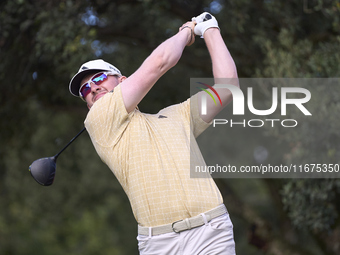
(162, 117)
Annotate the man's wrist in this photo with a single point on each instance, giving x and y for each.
(211, 30)
(189, 27)
(190, 36)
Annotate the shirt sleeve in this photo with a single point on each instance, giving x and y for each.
(191, 111)
(108, 118)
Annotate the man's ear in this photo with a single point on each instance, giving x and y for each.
(121, 78)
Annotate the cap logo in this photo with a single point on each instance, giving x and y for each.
(84, 68)
(115, 69)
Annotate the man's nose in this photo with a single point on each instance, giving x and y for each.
(94, 87)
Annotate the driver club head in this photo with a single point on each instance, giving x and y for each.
(43, 170)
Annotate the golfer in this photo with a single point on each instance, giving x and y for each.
(150, 153)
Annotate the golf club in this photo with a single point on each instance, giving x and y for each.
(43, 169)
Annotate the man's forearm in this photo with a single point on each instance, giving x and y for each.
(223, 67)
(222, 63)
(168, 53)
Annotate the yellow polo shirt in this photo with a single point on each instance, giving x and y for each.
(150, 156)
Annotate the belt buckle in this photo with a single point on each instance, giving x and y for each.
(172, 226)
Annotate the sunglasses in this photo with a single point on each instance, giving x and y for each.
(97, 79)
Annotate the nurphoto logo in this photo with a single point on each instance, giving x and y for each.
(239, 104)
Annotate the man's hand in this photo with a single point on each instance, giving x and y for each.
(190, 26)
(204, 21)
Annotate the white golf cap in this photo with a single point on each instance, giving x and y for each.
(90, 67)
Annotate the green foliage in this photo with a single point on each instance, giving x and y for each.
(317, 198)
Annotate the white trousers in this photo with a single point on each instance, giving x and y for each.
(215, 237)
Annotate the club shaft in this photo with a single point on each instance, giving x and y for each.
(74, 138)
